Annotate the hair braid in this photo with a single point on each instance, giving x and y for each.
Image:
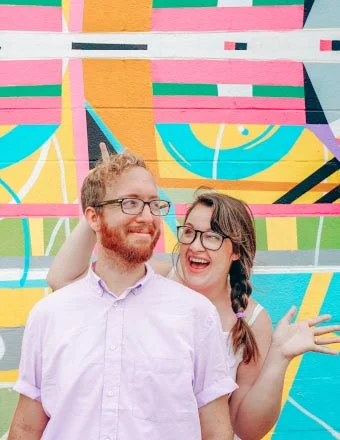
(241, 289)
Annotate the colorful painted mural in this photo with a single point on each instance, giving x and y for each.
(239, 95)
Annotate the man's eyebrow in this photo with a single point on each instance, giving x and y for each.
(138, 196)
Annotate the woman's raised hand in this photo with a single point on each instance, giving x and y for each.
(293, 339)
(104, 150)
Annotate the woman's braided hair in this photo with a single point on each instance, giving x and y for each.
(233, 217)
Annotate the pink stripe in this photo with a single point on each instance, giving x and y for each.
(285, 73)
(325, 45)
(30, 18)
(30, 116)
(277, 18)
(76, 15)
(72, 210)
(31, 103)
(324, 209)
(226, 102)
(79, 120)
(160, 246)
(28, 73)
(39, 210)
(229, 45)
(218, 116)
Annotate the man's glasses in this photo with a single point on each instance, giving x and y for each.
(132, 206)
(209, 240)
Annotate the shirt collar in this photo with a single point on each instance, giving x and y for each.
(100, 286)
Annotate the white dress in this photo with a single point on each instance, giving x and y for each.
(234, 359)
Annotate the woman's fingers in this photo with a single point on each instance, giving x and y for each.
(318, 319)
(289, 315)
(326, 329)
(326, 341)
(326, 350)
(104, 150)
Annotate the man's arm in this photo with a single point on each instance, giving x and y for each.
(29, 420)
(215, 420)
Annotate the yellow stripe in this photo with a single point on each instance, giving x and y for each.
(169, 239)
(281, 233)
(4, 129)
(37, 236)
(310, 307)
(9, 376)
(16, 304)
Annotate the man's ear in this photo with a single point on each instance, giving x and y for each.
(93, 218)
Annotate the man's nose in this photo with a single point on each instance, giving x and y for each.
(146, 214)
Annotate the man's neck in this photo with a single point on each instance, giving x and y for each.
(117, 274)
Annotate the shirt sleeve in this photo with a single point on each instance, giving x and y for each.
(212, 375)
(29, 380)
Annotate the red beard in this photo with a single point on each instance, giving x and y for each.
(116, 241)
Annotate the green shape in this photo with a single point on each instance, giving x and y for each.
(183, 3)
(49, 225)
(31, 2)
(261, 234)
(278, 2)
(30, 91)
(11, 238)
(279, 91)
(8, 403)
(330, 237)
(171, 89)
(307, 231)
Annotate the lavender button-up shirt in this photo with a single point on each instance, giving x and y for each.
(137, 366)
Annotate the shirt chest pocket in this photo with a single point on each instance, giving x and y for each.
(162, 390)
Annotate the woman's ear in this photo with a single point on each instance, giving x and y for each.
(93, 218)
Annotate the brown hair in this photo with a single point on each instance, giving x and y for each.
(104, 173)
(233, 217)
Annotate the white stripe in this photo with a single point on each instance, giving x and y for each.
(4, 385)
(53, 236)
(318, 241)
(217, 150)
(235, 3)
(235, 90)
(316, 419)
(40, 274)
(5, 436)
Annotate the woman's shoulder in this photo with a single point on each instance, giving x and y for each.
(256, 313)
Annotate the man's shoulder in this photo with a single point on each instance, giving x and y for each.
(58, 298)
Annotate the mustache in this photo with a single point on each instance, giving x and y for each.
(142, 230)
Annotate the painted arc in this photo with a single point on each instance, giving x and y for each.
(255, 156)
(12, 147)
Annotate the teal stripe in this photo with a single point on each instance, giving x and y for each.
(278, 2)
(170, 89)
(279, 91)
(30, 91)
(31, 2)
(183, 3)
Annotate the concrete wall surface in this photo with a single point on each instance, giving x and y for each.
(239, 95)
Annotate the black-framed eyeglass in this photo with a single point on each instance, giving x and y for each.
(134, 206)
(209, 239)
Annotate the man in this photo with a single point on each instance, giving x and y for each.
(123, 353)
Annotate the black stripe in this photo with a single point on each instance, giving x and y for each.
(241, 46)
(108, 46)
(314, 111)
(94, 137)
(307, 8)
(318, 176)
(336, 45)
(331, 196)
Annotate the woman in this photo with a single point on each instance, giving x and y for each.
(216, 255)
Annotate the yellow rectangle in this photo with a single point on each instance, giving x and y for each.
(37, 236)
(16, 305)
(281, 234)
(9, 376)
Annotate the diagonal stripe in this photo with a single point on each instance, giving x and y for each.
(311, 305)
(318, 176)
(331, 196)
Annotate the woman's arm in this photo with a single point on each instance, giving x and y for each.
(73, 258)
(256, 405)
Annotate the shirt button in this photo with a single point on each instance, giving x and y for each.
(115, 304)
(110, 393)
(112, 347)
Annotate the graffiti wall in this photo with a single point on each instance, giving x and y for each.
(239, 95)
